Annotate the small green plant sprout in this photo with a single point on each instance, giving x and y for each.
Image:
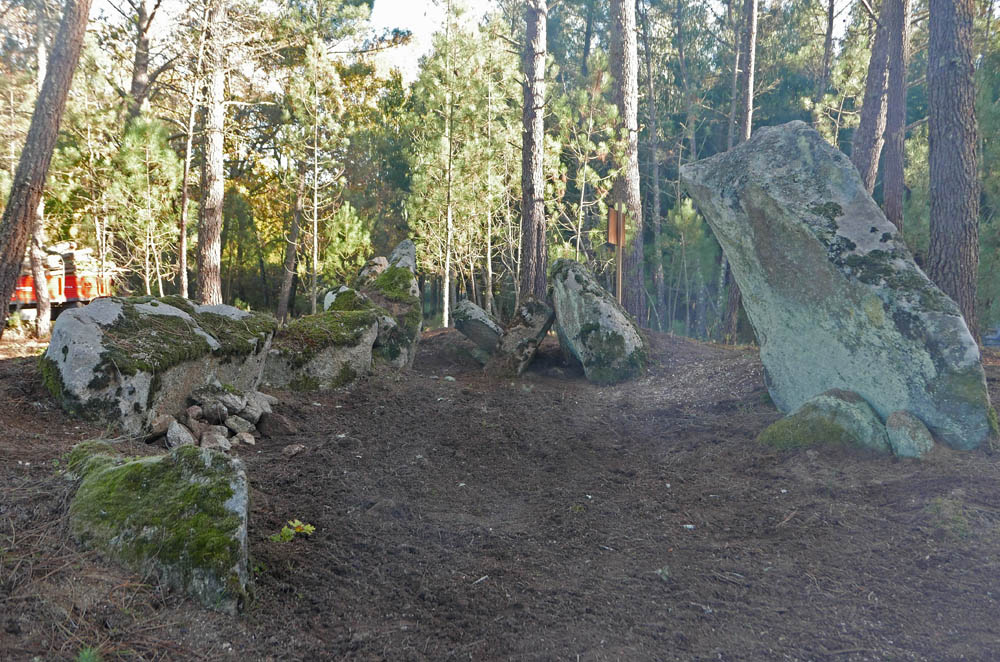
(294, 526)
(89, 655)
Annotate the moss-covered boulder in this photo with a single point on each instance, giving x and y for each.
(322, 351)
(181, 517)
(396, 294)
(594, 327)
(833, 417)
(519, 342)
(831, 289)
(130, 360)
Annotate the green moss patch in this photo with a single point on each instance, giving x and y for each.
(238, 337)
(167, 515)
(301, 340)
(394, 284)
(608, 363)
(803, 431)
(351, 300)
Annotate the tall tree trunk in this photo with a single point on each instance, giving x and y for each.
(33, 167)
(534, 251)
(36, 253)
(748, 47)
(749, 64)
(735, 82)
(953, 255)
(588, 38)
(624, 66)
(893, 186)
(182, 268)
(870, 134)
(145, 11)
(824, 76)
(291, 248)
(213, 174)
(654, 167)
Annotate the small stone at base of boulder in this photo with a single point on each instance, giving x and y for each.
(178, 435)
(275, 425)
(238, 424)
(215, 413)
(245, 438)
(159, 426)
(214, 440)
(908, 435)
(194, 413)
(836, 416)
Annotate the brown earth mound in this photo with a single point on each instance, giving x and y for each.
(542, 518)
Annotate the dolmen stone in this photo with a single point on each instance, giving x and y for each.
(594, 327)
(396, 293)
(477, 325)
(181, 517)
(833, 417)
(131, 360)
(520, 341)
(832, 292)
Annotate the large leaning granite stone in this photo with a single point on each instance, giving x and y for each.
(322, 351)
(131, 360)
(832, 291)
(396, 292)
(594, 327)
(477, 325)
(181, 517)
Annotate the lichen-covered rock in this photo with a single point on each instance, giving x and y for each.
(322, 351)
(404, 255)
(908, 436)
(477, 325)
(594, 327)
(178, 435)
(181, 517)
(131, 360)
(834, 417)
(520, 340)
(832, 292)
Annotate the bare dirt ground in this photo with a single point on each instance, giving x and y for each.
(534, 519)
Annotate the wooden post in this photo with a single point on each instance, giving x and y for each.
(616, 236)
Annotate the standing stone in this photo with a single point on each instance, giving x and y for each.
(594, 327)
(908, 436)
(833, 293)
(372, 269)
(477, 325)
(404, 255)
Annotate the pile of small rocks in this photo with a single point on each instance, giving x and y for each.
(217, 418)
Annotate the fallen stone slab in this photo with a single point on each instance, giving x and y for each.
(594, 327)
(181, 517)
(832, 291)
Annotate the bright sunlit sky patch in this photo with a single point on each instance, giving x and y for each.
(421, 17)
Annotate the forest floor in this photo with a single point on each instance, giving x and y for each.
(541, 518)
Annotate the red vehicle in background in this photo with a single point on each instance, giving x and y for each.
(74, 277)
